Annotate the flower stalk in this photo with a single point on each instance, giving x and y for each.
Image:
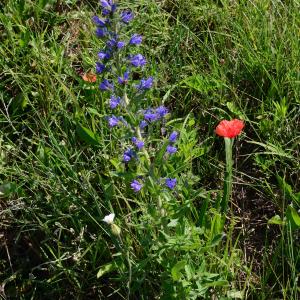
(228, 174)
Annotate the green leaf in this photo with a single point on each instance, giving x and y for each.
(176, 270)
(202, 84)
(287, 190)
(173, 223)
(86, 135)
(7, 188)
(217, 283)
(93, 111)
(232, 108)
(293, 217)
(235, 294)
(19, 102)
(216, 240)
(276, 220)
(106, 269)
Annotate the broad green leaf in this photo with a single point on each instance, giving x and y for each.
(293, 217)
(86, 135)
(276, 220)
(176, 270)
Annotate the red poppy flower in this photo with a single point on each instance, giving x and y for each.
(89, 77)
(230, 129)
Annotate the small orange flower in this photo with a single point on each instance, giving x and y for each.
(230, 129)
(89, 77)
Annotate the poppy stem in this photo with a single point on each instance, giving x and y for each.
(228, 174)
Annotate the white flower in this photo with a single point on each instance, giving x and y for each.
(109, 219)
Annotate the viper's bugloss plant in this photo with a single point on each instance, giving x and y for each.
(131, 110)
(152, 159)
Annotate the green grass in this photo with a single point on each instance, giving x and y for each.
(212, 60)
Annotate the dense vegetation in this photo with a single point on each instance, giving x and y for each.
(61, 172)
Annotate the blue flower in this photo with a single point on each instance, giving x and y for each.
(173, 136)
(113, 121)
(105, 85)
(143, 124)
(145, 84)
(162, 111)
(99, 67)
(124, 79)
(140, 144)
(136, 185)
(103, 55)
(171, 149)
(150, 116)
(101, 32)
(126, 16)
(99, 22)
(136, 39)
(128, 155)
(115, 43)
(108, 5)
(171, 183)
(114, 101)
(105, 12)
(138, 60)
(111, 43)
(120, 44)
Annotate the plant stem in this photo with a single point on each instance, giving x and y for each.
(228, 174)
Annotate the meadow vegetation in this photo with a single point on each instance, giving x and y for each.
(61, 168)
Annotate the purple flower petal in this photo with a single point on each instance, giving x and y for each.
(138, 60)
(136, 185)
(105, 85)
(99, 22)
(113, 121)
(173, 136)
(136, 39)
(145, 84)
(126, 16)
(114, 101)
(99, 68)
(171, 149)
(162, 111)
(171, 183)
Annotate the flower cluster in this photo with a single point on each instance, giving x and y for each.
(117, 61)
